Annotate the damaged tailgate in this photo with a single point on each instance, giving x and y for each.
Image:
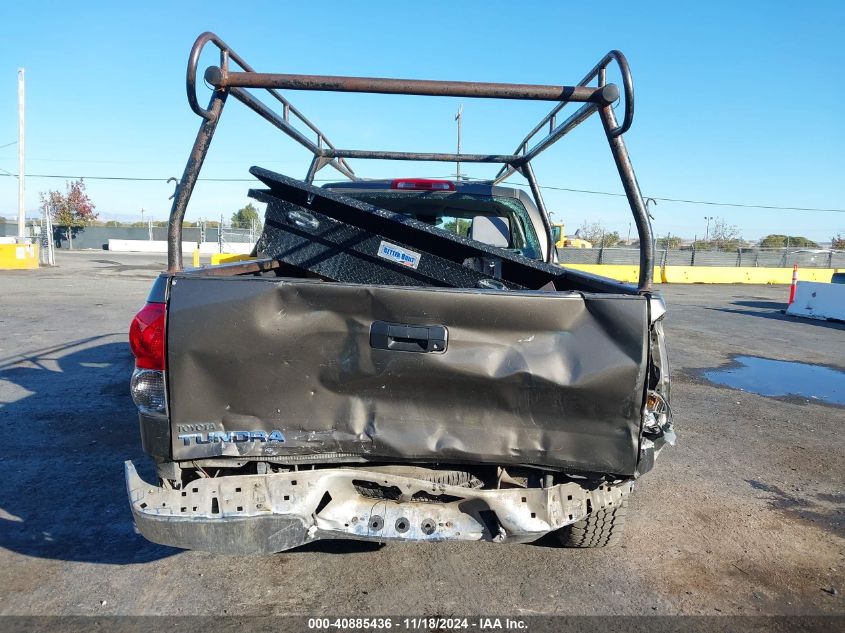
(540, 378)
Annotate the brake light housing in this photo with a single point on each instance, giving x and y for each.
(146, 336)
(422, 184)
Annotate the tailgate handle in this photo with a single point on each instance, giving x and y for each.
(400, 337)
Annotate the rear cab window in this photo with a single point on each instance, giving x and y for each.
(456, 211)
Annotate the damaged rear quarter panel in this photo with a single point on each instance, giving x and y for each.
(545, 378)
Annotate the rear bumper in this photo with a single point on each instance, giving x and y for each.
(262, 514)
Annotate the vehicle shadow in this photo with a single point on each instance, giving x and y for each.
(766, 305)
(69, 424)
(775, 312)
(338, 547)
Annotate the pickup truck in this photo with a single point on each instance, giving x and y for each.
(495, 397)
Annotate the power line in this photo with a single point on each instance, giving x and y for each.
(708, 202)
(132, 178)
(554, 188)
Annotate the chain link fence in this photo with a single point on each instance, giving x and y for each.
(46, 252)
(98, 236)
(750, 257)
(50, 236)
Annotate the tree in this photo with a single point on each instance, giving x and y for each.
(458, 226)
(724, 232)
(596, 233)
(72, 210)
(673, 242)
(837, 242)
(246, 218)
(781, 241)
(723, 236)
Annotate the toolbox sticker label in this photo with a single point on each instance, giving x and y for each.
(398, 254)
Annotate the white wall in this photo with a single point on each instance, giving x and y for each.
(160, 246)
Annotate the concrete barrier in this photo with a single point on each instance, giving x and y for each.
(160, 246)
(228, 258)
(230, 248)
(708, 274)
(145, 246)
(18, 256)
(818, 301)
(619, 272)
(740, 275)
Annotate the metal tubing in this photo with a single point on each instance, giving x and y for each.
(576, 119)
(317, 163)
(189, 178)
(227, 54)
(573, 121)
(594, 97)
(528, 172)
(635, 198)
(261, 109)
(600, 71)
(220, 78)
(238, 268)
(265, 112)
(191, 75)
(422, 156)
(611, 91)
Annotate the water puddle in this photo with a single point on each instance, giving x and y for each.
(781, 378)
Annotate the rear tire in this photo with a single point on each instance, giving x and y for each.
(602, 528)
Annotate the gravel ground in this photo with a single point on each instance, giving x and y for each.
(743, 516)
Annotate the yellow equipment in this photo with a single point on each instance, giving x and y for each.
(561, 240)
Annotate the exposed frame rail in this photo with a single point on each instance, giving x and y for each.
(598, 98)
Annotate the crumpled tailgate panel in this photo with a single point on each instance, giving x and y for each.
(545, 378)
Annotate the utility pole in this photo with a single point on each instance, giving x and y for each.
(21, 170)
(459, 118)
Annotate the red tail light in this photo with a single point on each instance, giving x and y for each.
(423, 184)
(146, 337)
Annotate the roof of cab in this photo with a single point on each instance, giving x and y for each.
(478, 188)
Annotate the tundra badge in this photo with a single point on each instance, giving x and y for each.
(232, 436)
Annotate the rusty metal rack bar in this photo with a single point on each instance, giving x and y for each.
(595, 98)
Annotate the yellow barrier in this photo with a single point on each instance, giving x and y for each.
(708, 274)
(619, 272)
(219, 258)
(625, 272)
(739, 275)
(18, 256)
(228, 258)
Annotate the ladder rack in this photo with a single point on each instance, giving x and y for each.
(598, 98)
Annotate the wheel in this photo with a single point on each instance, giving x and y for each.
(602, 528)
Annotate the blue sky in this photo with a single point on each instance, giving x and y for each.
(735, 102)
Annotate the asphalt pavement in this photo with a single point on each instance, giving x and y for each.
(745, 516)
